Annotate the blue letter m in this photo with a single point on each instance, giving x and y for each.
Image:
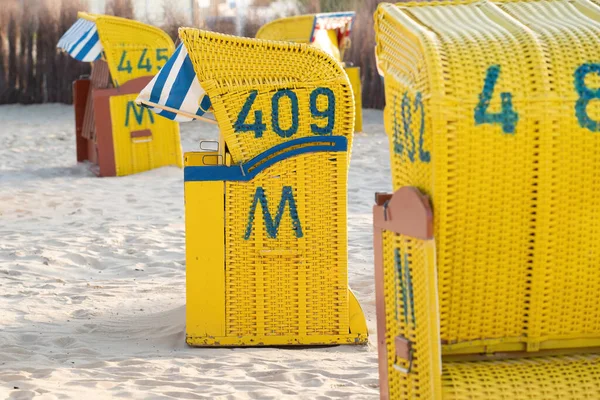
(287, 196)
(139, 115)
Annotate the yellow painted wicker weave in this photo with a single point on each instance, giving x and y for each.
(141, 140)
(266, 218)
(306, 29)
(132, 49)
(491, 110)
(409, 319)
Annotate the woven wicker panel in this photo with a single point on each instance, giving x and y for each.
(291, 280)
(512, 185)
(246, 77)
(478, 186)
(132, 49)
(406, 298)
(548, 378)
(566, 249)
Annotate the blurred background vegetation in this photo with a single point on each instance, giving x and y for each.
(33, 71)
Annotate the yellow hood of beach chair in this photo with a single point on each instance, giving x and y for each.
(300, 29)
(132, 49)
(265, 93)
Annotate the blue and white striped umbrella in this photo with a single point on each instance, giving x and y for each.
(175, 92)
(81, 41)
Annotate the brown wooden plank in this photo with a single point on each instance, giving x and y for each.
(81, 91)
(384, 390)
(104, 134)
(100, 75)
(403, 347)
(141, 133)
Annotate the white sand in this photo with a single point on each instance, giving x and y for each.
(92, 279)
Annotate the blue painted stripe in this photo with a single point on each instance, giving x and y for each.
(205, 105)
(254, 166)
(166, 114)
(337, 15)
(399, 275)
(88, 46)
(209, 173)
(410, 289)
(74, 33)
(337, 141)
(183, 81)
(163, 75)
(81, 39)
(234, 173)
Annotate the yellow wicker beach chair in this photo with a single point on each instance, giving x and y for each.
(113, 133)
(328, 31)
(487, 255)
(266, 214)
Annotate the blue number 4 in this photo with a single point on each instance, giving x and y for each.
(257, 127)
(508, 117)
(144, 65)
(126, 67)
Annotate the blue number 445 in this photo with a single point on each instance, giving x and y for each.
(508, 117)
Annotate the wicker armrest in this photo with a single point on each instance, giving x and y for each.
(407, 307)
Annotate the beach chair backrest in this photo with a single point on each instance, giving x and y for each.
(264, 93)
(132, 49)
(491, 111)
(289, 29)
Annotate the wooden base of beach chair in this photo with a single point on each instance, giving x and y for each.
(125, 138)
(357, 334)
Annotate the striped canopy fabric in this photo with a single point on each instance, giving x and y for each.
(81, 41)
(175, 92)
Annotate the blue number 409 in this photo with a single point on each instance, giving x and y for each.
(291, 127)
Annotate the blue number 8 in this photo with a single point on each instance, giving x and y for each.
(585, 96)
(329, 113)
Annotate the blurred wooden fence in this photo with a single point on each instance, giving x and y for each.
(32, 70)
